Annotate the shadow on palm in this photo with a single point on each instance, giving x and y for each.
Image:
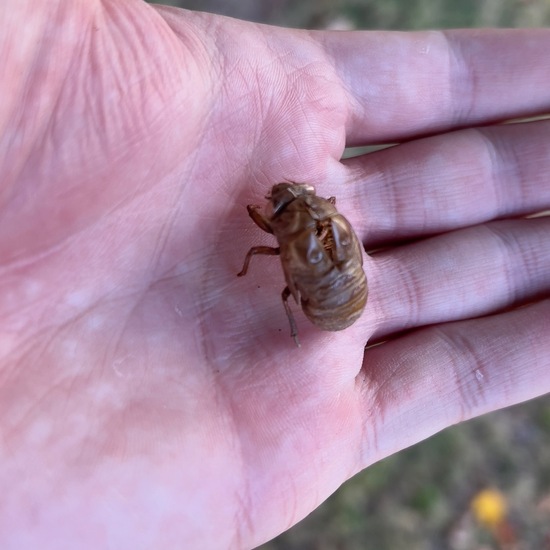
(242, 329)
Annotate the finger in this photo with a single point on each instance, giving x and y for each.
(453, 180)
(458, 275)
(416, 385)
(405, 84)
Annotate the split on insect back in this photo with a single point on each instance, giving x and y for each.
(320, 254)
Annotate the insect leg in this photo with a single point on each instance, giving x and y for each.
(267, 250)
(258, 218)
(293, 330)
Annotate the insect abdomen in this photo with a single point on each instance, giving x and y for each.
(337, 301)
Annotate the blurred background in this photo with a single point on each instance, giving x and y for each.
(379, 14)
(481, 485)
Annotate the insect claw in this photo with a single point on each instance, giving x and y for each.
(267, 250)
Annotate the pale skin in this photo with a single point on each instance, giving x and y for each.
(149, 398)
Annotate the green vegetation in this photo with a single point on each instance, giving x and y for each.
(380, 14)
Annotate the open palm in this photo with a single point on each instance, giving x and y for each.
(150, 398)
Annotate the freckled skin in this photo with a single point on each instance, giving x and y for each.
(320, 254)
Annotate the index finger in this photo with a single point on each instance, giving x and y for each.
(402, 85)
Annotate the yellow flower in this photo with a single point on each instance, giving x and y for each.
(489, 507)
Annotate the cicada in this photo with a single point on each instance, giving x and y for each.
(320, 253)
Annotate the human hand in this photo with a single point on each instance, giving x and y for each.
(151, 399)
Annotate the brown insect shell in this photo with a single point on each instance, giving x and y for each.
(325, 277)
